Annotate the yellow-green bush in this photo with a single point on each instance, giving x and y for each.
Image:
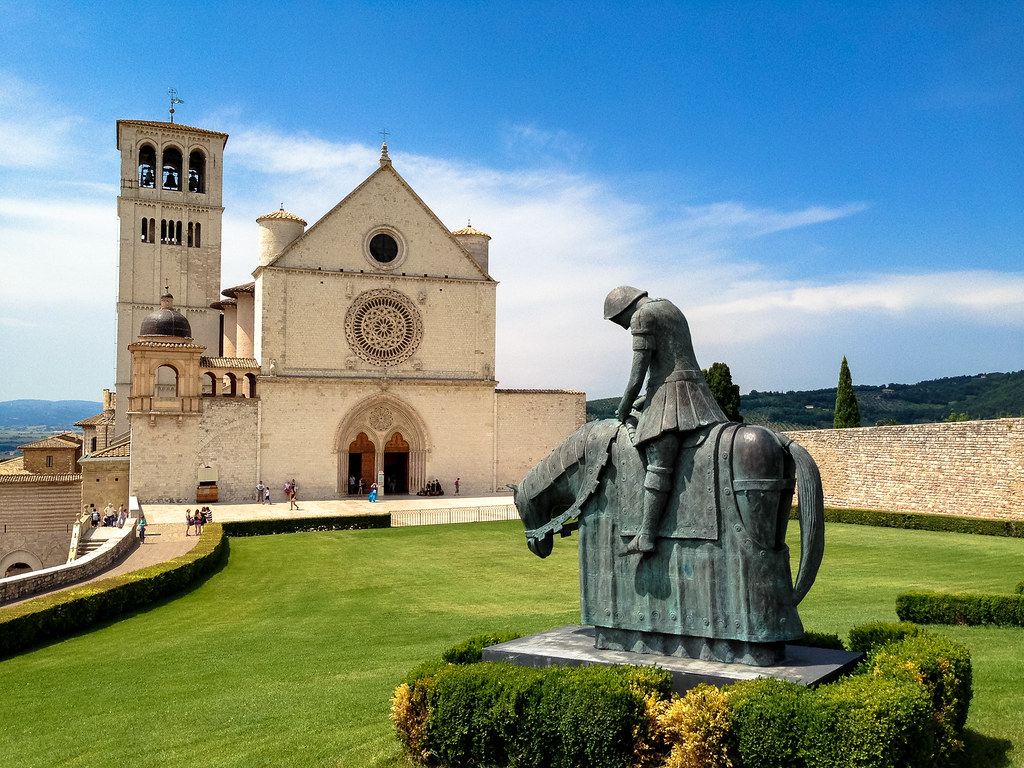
(905, 706)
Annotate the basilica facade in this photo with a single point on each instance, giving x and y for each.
(363, 348)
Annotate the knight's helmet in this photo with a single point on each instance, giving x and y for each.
(620, 299)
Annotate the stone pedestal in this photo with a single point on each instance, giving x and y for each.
(573, 646)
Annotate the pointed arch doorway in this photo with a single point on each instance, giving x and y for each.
(382, 437)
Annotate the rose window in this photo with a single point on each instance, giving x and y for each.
(383, 327)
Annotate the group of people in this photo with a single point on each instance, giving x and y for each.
(198, 520)
(291, 490)
(433, 488)
(110, 518)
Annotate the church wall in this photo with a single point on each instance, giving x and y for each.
(531, 424)
(303, 316)
(167, 453)
(105, 480)
(339, 239)
(459, 439)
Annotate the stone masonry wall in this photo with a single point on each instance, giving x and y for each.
(531, 424)
(970, 468)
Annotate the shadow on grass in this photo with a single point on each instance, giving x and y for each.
(981, 751)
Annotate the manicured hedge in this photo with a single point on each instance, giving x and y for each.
(51, 617)
(303, 524)
(926, 607)
(905, 706)
(922, 521)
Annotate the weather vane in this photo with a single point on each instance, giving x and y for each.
(174, 100)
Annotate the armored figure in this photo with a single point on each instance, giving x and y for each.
(677, 401)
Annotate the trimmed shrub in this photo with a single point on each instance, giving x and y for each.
(922, 521)
(768, 716)
(869, 722)
(58, 615)
(306, 524)
(928, 607)
(471, 651)
(866, 637)
(943, 668)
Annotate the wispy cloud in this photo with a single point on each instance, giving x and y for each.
(33, 133)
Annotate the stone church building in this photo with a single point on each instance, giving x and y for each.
(363, 348)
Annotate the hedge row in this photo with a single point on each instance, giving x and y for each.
(921, 521)
(52, 617)
(304, 524)
(927, 607)
(905, 706)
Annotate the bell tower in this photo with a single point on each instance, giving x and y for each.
(170, 234)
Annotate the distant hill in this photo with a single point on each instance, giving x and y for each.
(984, 396)
(53, 414)
(25, 421)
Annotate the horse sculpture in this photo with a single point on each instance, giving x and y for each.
(718, 584)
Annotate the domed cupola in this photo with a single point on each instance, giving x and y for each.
(166, 321)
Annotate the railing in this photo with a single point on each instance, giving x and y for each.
(76, 535)
(453, 515)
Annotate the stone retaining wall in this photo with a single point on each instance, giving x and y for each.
(970, 468)
(27, 584)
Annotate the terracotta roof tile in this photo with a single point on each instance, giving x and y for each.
(229, 362)
(15, 466)
(121, 449)
(243, 288)
(32, 478)
(282, 214)
(470, 231)
(56, 441)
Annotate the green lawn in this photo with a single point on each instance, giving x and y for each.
(289, 654)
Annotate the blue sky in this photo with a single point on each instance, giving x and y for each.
(805, 180)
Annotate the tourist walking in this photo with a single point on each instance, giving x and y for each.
(456, 486)
(373, 492)
(142, 530)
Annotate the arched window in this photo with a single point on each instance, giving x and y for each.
(199, 239)
(194, 240)
(209, 385)
(152, 231)
(250, 385)
(166, 381)
(197, 172)
(147, 166)
(230, 385)
(170, 232)
(191, 228)
(171, 168)
(145, 230)
(92, 445)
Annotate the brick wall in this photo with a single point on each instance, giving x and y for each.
(971, 468)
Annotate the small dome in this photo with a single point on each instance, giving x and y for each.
(471, 230)
(166, 321)
(281, 215)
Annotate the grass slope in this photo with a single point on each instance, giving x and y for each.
(289, 654)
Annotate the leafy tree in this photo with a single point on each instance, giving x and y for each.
(847, 411)
(954, 416)
(727, 394)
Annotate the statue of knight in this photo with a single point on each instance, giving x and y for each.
(677, 401)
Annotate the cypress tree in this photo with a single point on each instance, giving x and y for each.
(847, 411)
(727, 394)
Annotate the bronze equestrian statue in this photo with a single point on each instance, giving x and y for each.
(681, 515)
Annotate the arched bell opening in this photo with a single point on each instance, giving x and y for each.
(147, 166)
(171, 169)
(197, 172)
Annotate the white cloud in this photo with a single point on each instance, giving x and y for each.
(561, 241)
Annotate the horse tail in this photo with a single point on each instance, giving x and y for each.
(811, 505)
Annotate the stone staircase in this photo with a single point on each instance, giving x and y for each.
(93, 539)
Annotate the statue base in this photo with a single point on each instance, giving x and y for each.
(573, 646)
(689, 647)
